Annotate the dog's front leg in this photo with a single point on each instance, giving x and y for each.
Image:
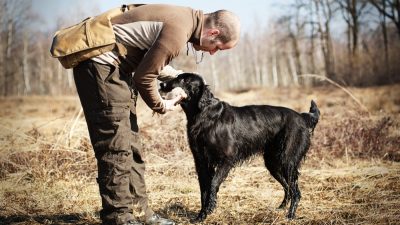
(220, 175)
(205, 174)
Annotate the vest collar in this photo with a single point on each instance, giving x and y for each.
(198, 18)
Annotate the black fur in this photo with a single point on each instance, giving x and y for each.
(222, 136)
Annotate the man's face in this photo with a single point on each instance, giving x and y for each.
(211, 44)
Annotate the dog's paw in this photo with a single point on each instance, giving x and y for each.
(290, 216)
(195, 220)
(200, 218)
(282, 206)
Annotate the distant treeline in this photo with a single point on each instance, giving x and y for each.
(352, 42)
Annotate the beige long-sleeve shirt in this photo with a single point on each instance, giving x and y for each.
(153, 34)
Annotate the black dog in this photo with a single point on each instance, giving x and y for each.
(222, 136)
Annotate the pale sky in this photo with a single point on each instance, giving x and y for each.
(250, 12)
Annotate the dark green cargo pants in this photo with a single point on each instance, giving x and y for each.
(109, 104)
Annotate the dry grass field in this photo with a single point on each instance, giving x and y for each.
(351, 174)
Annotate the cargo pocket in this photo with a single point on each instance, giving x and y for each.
(102, 72)
(112, 129)
(114, 173)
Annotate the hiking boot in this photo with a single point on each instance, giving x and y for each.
(156, 219)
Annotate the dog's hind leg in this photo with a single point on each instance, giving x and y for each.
(295, 194)
(285, 186)
(273, 164)
(297, 145)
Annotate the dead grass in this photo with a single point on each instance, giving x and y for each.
(351, 174)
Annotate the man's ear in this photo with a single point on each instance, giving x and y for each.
(213, 32)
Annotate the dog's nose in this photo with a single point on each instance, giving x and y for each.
(162, 85)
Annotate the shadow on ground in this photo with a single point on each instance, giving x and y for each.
(74, 218)
(180, 212)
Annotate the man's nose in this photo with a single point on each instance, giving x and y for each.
(212, 52)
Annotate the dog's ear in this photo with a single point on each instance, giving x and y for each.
(206, 98)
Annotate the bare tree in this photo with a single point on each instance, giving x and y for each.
(15, 18)
(275, 81)
(9, 76)
(311, 50)
(26, 71)
(2, 44)
(324, 12)
(351, 11)
(390, 9)
(383, 22)
(301, 41)
(295, 31)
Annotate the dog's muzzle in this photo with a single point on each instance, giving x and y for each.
(173, 93)
(163, 93)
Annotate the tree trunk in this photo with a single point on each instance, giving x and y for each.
(397, 2)
(283, 69)
(296, 52)
(214, 73)
(274, 71)
(322, 37)
(355, 26)
(264, 70)
(2, 66)
(385, 38)
(8, 65)
(235, 67)
(25, 65)
(328, 40)
(396, 18)
(293, 70)
(256, 65)
(274, 65)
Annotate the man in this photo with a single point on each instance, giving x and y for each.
(150, 36)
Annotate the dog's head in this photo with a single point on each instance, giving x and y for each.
(193, 85)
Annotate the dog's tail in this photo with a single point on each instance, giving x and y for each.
(312, 117)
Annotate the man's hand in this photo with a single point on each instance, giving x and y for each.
(171, 104)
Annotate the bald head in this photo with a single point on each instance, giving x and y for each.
(226, 22)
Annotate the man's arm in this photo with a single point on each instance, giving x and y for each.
(164, 49)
